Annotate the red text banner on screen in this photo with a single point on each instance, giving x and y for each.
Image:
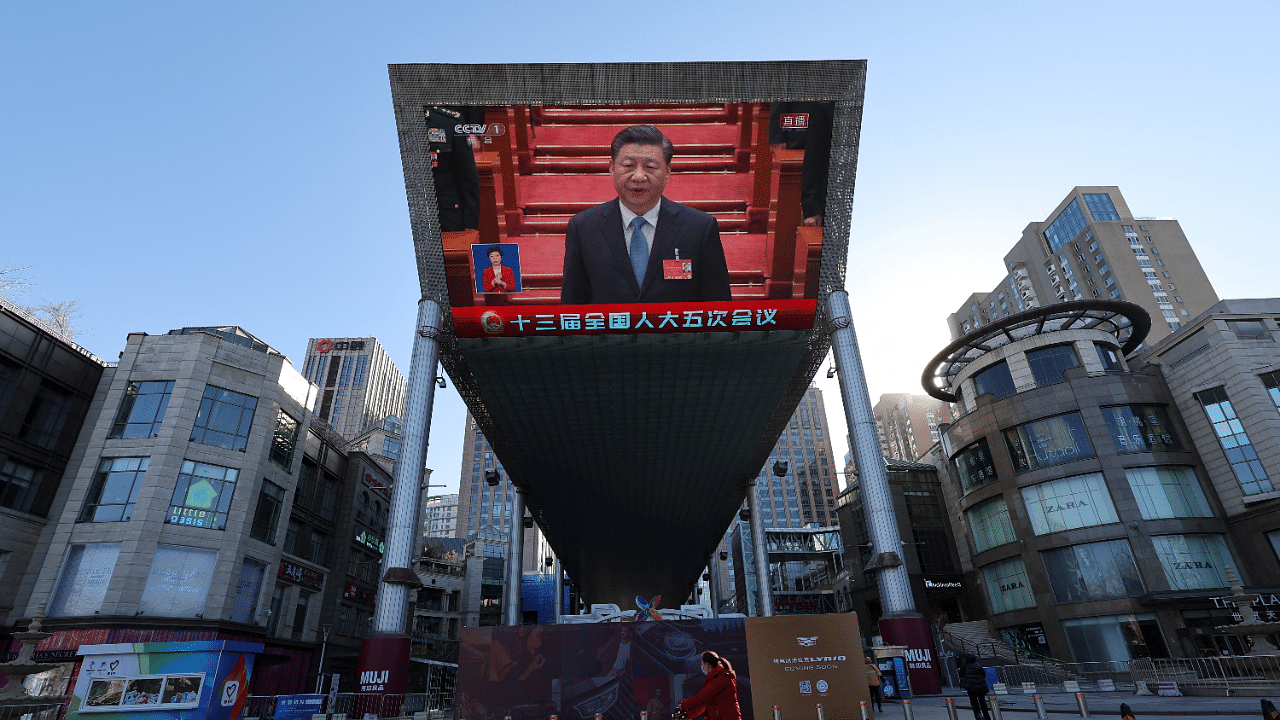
(631, 318)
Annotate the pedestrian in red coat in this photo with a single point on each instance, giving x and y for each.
(719, 695)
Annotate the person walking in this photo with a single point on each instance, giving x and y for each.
(873, 684)
(975, 683)
(718, 698)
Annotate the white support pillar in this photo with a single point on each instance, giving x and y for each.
(515, 558)
(392, 611)
(559, 598)
(873, 479)
(385, 653)
(764, 591)
(713, 587)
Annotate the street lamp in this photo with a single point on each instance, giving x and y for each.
(324, 645)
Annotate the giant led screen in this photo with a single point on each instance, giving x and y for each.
(655, 218)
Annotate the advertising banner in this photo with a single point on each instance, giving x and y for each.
(913, 633)
(168, 681)
(624, 219)
(800, 661)
(621, 669)
(297, 707)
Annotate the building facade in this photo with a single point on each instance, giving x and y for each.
(46, 386)
(163, 529)
(440, 516)
(1092, 246)
(359, 384)
(1223, 373)
(803, 497)
(908, 424)
(928, 550)
(1086, 513)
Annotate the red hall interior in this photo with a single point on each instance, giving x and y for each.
(552, 162)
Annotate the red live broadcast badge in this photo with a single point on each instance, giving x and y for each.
(677, 269)
(794, 121)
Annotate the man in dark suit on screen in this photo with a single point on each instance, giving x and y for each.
(642, 247)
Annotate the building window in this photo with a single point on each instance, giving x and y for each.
(391, 448)
(267, 516)
(1193, 562)
(142, 410)
(178, 583)
(283, 441)
(202, 496)
(1114, 638)
(1007, 585)
(1271, 381)
(974, 466)
(1101, 207)
(1140, 428)
(300, 615)
(1234, 441)
(995, 380)
(989, 524)
(1069, 503)
(45, 417)
(1047, 442)
(1092, 572)
(1250, 329)
(1048, 364)
(344, 621)
(1109, 358)
(1167, 492)
(275, 611)
(224, 418)
(1065, 227)
(19, 488)
(114, 490)
(83, 583)
(245, 605)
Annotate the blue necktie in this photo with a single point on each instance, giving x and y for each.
(639, 250)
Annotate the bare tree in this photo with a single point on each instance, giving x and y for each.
(61, 317)
(12, 280)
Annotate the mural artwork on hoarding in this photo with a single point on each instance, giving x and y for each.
(580, 220)
(621, 669)
(164, 681)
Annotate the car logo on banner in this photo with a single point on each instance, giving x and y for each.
(599, 702)
(807, 641)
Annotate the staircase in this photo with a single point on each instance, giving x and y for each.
(976, 639)
(552, 162)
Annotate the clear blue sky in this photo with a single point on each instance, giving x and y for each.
(169, 164)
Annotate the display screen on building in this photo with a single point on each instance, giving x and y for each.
(616, 219)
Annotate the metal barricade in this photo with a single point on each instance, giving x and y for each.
(31, 712)
(1233, 674)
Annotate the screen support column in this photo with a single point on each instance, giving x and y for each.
(764, 592)
(713, 587)
(559, 596)
(515, 558)
(895, 588)
(900, 624)
(385, 654)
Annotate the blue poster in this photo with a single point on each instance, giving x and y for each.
(298, 707)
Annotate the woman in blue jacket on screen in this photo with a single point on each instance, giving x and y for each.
(719, 695)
